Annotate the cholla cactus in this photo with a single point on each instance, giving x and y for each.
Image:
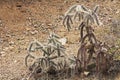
(87, 18)
(35, 45)
(84, 15)
(53, 39)
(90, 46)
(50, 53)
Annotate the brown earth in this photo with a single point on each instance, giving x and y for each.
(20, 23)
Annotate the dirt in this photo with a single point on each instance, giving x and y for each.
(21, 21)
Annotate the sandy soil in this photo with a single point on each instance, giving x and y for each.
(20, 22)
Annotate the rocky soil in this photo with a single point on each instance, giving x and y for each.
(23, 21)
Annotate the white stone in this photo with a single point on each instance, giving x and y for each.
(86, 73)
(63, 41)
(2, 52)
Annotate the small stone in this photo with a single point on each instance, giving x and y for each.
(35, 25)
(34, 32)
(118, 11)
(49, 24)
(5, 49)
(7, 35)
(23, 79)
(109, 19)
(104, 49)
(117, 46)
(2, 52)
(86, 73)
(3, 55)
(63, 41)
(28, 28)
(11, 43)
(15, 61)
(66, 1)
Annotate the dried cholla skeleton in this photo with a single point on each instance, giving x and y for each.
(92, 47)
(91, 51)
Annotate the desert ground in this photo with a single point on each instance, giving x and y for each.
(23, 21)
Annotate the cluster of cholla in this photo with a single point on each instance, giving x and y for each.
(92, 53)
(51, 58)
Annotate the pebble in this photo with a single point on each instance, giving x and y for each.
(23, 79)
(34, 32)
(28, 28)
(15, 61)
(109, 19)
(49, 24)
(66, 1)
(86, 73)
(3, 55)
(118, 11)
(36, 25)
(11, 43)
(116, 46)
(63, 41)
(6, 48)
(2, 52)
(7, 35)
